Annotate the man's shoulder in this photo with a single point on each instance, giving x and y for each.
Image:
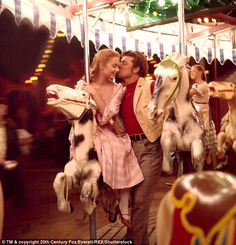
(143, 81)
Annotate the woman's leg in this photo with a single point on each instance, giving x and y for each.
(124, 203)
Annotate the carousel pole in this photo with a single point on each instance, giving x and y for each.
(182, 50)
(182, 41)
(92, 217)
(86, 40)
(216, 101)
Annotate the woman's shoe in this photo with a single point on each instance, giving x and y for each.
(125, 222)
(112, 216)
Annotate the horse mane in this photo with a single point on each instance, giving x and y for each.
(180, 59)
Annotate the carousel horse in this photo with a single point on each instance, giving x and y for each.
(199, 209)
(226, 139)
(182, 128)
(83, 170)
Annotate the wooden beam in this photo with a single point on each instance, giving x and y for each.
(226, 18)
(209, 31)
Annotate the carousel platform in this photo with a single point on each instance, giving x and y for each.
(38, 217)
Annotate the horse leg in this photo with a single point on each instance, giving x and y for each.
(61, 186)
(221, 137)
(89, 181)
(167, 147)
(197, 153)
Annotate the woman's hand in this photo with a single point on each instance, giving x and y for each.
(89, 88)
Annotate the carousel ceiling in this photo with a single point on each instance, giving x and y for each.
(109, 22)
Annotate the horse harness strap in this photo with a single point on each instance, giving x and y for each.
(173, 92)
(86, 105)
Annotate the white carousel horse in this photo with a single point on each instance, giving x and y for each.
(226, 139)
(182, 129)
(199, 209)
(83, 170)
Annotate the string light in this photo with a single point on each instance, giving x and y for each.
(44, 59)
(207, 21)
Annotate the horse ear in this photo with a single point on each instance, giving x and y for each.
(79, 84)
(183, 61)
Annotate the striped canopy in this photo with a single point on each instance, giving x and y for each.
(104, 30)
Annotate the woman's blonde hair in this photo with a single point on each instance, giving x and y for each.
(102, 57)
(201, 69)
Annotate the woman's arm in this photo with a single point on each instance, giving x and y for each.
(192, 92)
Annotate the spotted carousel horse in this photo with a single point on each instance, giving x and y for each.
(226, 139)
(83, 170)
(199, 209)
(182, 128)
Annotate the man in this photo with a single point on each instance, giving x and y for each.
(145, 138)
(9, 155)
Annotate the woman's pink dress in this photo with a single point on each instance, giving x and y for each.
(120, 168)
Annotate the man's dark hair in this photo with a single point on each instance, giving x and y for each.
(139, 61)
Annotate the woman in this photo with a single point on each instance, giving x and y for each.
(200, 94)
(119, 165)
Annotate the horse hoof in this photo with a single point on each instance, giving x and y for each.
(112, 217)
(71, 207)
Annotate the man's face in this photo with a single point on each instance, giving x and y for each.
(126, 67)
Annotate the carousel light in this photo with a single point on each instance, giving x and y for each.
(199, 20)
(37, 74)
(51, 41)
(161, 3)
(60, 34)
(43, 61)
(154, 13)
(45, 56)
(41, 66)
(214, 20)
(48, 51)
(38, 70)
(49, 46)
(34, 78)
(206, 19)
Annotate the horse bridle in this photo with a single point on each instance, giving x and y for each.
(174, 90)
(86, 104)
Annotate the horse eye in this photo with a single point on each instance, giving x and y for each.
(175, 78)
(83, 94)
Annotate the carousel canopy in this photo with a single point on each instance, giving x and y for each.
(108, 26)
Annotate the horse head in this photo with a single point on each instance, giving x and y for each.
(71, 102)
(170, 75)
(222, 90)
